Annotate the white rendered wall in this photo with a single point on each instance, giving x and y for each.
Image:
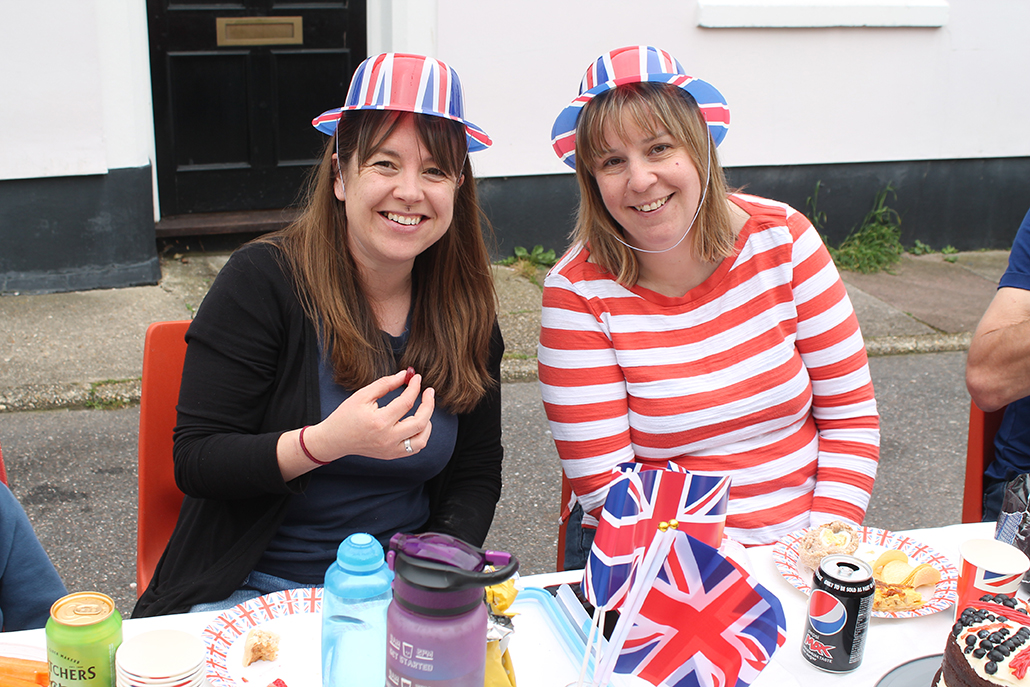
(796, 96)
(124, 48)
(75, 88)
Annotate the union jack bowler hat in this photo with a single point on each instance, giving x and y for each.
(636, 64)
(406, 83)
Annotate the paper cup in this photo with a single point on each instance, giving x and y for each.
(990, 567)
(160, 658)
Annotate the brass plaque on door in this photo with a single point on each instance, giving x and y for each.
(260, 30)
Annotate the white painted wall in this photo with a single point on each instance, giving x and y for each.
(74, 87)
(796, 96)
(124, 49)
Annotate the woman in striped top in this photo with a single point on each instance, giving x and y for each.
(694, 325)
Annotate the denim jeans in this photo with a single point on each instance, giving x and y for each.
(256, 584)
(994, 494)
(578, 540)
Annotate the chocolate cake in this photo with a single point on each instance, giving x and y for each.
(988, 645)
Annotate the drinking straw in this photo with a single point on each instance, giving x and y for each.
(596, 622)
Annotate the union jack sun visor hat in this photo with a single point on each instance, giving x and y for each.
(636, 64)
(406, 83)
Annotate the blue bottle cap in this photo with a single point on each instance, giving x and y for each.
(360, 553)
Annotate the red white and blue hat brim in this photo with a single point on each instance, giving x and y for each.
(477, 138)
(404, 82)
(710, 101)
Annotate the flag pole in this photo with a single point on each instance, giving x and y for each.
(655, 557)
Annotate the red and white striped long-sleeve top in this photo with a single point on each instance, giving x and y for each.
(759, 373)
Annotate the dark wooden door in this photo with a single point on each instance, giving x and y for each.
(236, 85)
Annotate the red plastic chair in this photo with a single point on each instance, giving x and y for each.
(164, 350)
(3, 470)
(979, 454)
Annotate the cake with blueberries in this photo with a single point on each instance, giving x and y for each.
(989, 645)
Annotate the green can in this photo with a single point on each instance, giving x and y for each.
(82, 635)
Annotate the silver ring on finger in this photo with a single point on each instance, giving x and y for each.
(407, 445)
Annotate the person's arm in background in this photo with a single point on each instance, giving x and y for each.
(998, 365)
(843, 405)
(29, 584)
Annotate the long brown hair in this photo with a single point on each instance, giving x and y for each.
(453, 300)
(651, 106)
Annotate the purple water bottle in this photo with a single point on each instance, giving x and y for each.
(436, 622)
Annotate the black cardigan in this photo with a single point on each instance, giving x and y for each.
(251, 373)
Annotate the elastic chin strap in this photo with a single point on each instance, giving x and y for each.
(704, 192)
(339, 165)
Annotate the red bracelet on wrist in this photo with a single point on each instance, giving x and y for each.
(307, 452)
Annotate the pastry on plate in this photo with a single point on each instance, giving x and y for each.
(897, 581)
(261, 645)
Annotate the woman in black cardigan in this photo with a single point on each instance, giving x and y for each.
(343, 375)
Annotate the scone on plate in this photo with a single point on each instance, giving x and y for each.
(821, 541)
(261, 645)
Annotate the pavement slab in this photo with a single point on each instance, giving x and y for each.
(946, 296)
(879, 319)
(85, 349)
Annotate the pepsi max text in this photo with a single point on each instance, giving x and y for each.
(838, 613)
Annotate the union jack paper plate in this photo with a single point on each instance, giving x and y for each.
(874, 542)
(293, 614)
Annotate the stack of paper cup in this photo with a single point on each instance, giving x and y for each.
(160, 658)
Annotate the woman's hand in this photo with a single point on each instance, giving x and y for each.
(359, 426)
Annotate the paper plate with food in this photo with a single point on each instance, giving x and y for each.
(271, 640)
(911, 578)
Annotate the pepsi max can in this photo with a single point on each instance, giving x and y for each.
(838, 613)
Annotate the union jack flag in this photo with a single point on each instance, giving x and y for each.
(995, 583)
(705, 622)
(407, 83)
(640, 499)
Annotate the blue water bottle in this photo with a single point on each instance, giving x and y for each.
(354, 602)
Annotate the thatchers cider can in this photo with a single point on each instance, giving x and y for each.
(838, 613)
(82, 635)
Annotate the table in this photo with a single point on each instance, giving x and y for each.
(889, 642)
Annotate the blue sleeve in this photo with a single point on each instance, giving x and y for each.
(29, 584)
(1018, 273)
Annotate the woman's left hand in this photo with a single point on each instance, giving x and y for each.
(359, 426)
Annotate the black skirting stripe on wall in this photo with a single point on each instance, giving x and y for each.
(968, 204)
(78, 233)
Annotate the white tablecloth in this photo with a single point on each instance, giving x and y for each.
(889, 642)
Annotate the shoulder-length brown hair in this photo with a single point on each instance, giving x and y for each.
(453, 305)
(651, 106)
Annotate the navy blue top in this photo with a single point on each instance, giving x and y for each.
(1012, 442)
(356, 493)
